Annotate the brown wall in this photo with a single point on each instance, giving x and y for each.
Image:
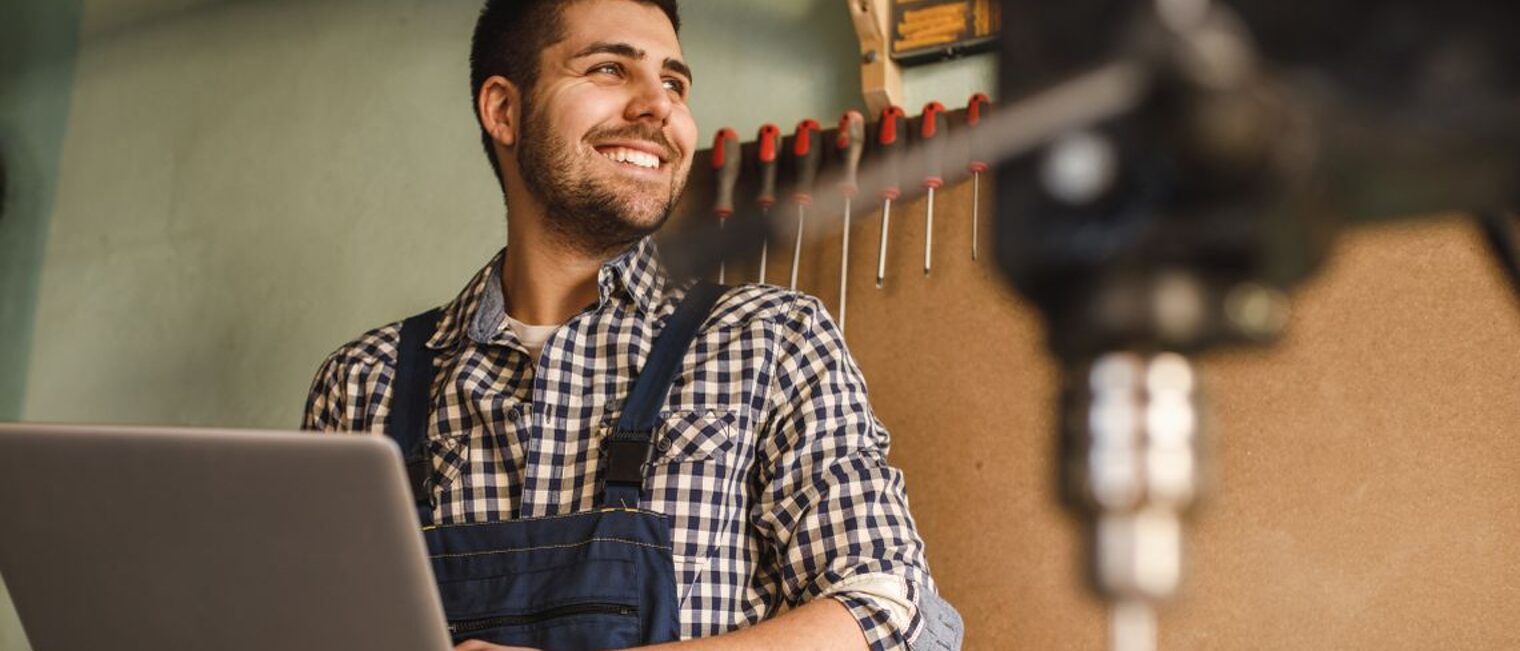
(1368, 472)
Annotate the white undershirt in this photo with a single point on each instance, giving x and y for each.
(533, 337)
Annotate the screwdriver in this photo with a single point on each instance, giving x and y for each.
(725, 163)
(979, 103)
(851, 143)
(806, 153)
(931, 125)
(770, 141)
(890, 134)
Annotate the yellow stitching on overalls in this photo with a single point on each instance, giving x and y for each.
(566, 546)
(614, 509)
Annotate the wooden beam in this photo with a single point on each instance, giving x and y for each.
(880, 77)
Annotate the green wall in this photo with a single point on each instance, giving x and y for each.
(37, 45)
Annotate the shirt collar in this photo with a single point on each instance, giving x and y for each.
(638, 272)
(478, 310)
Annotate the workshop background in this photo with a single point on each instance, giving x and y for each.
(208, 197)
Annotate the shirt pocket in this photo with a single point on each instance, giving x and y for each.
(692, 436)
(449, 455)
(694, 479)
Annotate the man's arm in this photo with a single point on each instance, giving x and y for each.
(349, 386)
(822, 625)
(325, 402)
(833, 512)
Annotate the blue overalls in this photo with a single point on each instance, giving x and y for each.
(601, 579)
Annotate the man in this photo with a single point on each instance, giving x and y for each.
(761, 486)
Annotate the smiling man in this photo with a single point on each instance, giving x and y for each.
(604, 457)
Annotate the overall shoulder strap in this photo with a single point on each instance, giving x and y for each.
(629, 446)
(411, 400)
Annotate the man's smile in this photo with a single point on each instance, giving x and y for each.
(632, 157)
(635, 152)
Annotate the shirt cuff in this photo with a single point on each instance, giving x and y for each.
(882, 604)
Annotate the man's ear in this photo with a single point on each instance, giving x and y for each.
(500, 108)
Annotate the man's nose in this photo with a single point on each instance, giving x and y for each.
(650, 101)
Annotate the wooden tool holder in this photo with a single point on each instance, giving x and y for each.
(880, 76)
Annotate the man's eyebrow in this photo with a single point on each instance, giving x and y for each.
(618, 49)
(676, 66)
(628, 51)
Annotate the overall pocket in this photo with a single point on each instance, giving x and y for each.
(468, 628)
(590, 605)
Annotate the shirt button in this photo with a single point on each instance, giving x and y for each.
(663, 445)
(512, 415)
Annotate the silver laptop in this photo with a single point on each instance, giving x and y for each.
(136, 539)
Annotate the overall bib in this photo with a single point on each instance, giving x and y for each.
(601, 579)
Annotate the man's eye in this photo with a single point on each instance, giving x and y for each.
(608, 68)
(676, 86)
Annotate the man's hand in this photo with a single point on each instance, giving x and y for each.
(819, 625)
(822, 625)
(477, 645)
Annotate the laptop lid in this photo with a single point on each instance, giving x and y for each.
(144, 539)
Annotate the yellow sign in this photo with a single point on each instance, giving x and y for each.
(930, 29)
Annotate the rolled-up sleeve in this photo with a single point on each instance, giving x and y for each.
(835, 513)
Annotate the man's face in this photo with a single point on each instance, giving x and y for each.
(607, 137)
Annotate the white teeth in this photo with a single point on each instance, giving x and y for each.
(633, 157)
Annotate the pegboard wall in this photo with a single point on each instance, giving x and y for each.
(1366, 489)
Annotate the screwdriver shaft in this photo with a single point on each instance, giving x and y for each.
(722, 264)
(765, 245)
(976, 202)
(929, 235)
(844, 266)
(881, 255)
(797, 250)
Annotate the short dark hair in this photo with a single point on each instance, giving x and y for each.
(509, 37)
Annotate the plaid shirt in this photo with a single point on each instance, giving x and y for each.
(769, 460)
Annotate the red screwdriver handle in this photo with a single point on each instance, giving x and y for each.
(891, 133)
(807, 151)
(932, 126)
(725, 163)
(769, 150)
(974, 110)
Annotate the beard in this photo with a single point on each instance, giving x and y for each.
(585, 211)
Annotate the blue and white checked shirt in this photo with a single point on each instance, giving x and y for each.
(769, 460)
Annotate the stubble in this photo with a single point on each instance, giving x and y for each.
(584, 212)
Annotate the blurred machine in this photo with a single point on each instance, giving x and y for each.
(1166, 172)
(1245, 134)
